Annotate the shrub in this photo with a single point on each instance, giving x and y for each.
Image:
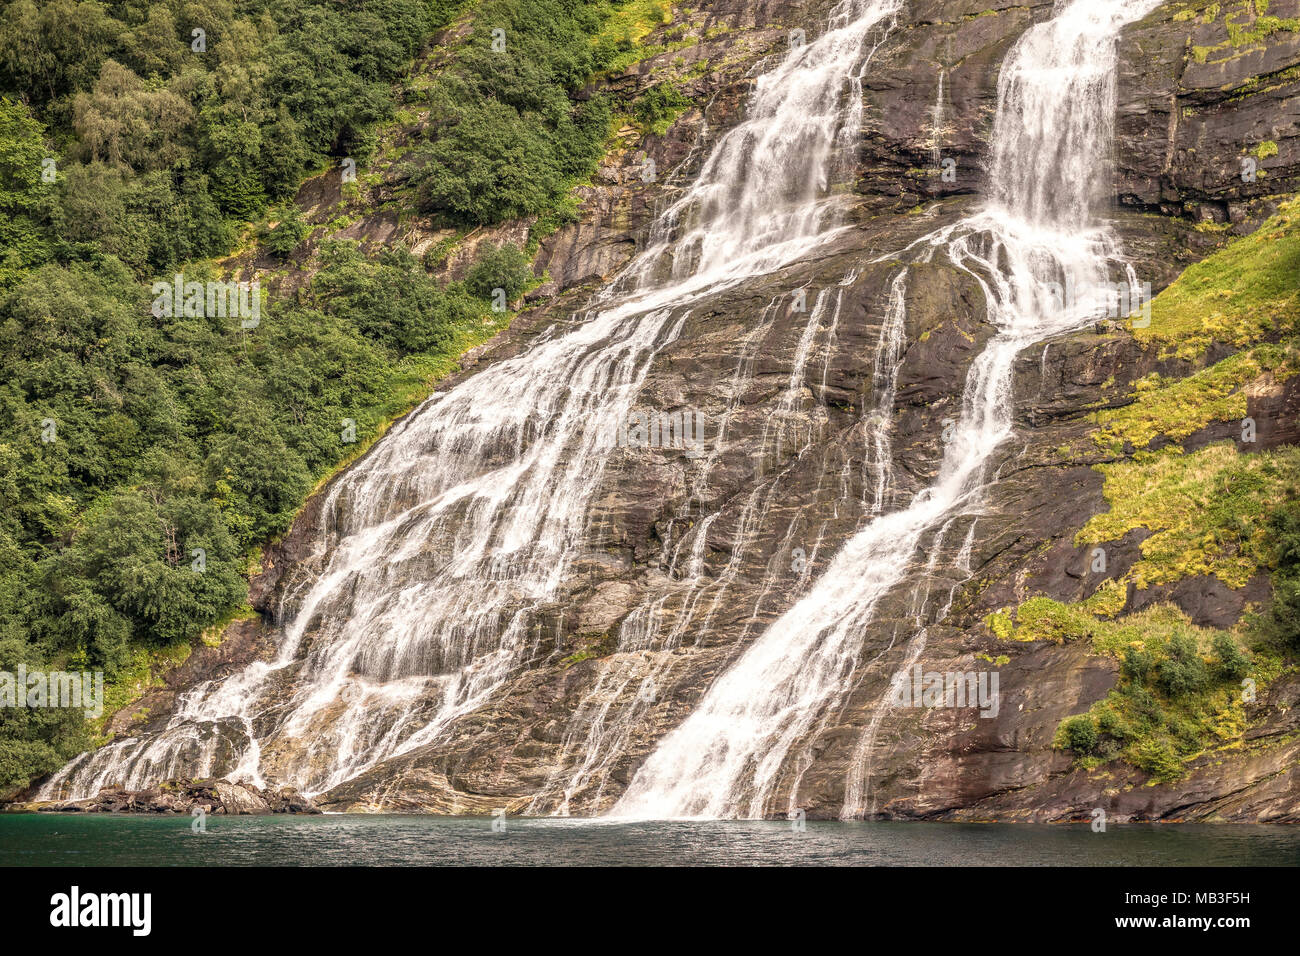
(1182, 672)
(499, 267)
(1081, 734)
(659, 106)
(287, 235)
(1229, 661)
(1281, 622)
(1157, 758)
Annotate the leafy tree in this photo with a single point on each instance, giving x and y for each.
(499, 267)
(1081, 734)
(1183, 671)
(24, 198)
(287, 235)
(1229, 661)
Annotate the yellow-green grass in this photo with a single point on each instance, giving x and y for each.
(1244, 293)
(1207, 511)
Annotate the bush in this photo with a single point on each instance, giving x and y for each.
(390, 298)
(1157, 758)
(1230, 662)
(1281, 622)
(1081, 734)
(1182, 672)
(659, 106)
(1137, 664)
(1111, 723)
(287, 235)
(499, 267)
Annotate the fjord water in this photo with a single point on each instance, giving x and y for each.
(379, 840)
(1037, 236)
(436, 550)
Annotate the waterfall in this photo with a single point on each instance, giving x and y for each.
(1037, 234)
(439, 546)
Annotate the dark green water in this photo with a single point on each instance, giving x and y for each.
(103, 840)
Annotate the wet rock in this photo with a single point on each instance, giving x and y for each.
(176, 796)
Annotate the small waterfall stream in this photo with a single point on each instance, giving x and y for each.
(1037, 234)
(438, 547)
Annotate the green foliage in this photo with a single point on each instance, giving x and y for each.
(168, 148)
(391, 300)
(504, 267)
(1230, 663)
(1175, 408)
(1281, 623)
(659, 106)
(287, 235)
(1080, 734)
(24, 198)
(509, 134)
(1157, 757)
(1207, 512)
(1173, 699)
(1182, 671)
(1245, 292)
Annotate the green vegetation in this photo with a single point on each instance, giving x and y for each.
(1245, 293)
(1208, 512)
(508, 133)
(1214, 511)
(658, 107)
(504, 267)
(287, 234)
(1179, 691)
(170, 139)
(1177, 407)
(144, 459)
(1281, 622)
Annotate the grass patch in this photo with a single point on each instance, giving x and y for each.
(1207, 512)
(1245, 292)
(1176, 408)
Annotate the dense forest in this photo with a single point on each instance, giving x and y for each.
(145, 457)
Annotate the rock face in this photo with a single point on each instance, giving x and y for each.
(707, 553)
(177, 796)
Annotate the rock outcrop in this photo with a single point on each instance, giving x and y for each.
(184, 797)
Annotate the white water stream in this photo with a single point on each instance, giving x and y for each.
(1037, 235)
(440, 544)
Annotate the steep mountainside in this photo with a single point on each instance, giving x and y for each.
(1129, 511)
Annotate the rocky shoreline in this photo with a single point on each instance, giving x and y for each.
(183, 797)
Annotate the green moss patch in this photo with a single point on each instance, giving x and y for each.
(1244, 293)
(1207, 511)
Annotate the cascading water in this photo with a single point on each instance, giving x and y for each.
(1036, 237)
(437, 547)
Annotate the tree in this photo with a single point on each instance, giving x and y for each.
(503, 267)
(24, 197)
